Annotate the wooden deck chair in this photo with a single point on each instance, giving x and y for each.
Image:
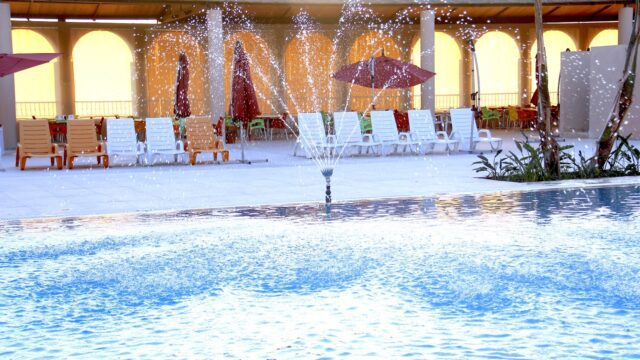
(465, 130)
(35, 141)
(83, 142)
(201, 138)
(311, 136)
(161, 140)
(122, 140)
(423, 129)
(385, 130)
(348, 133)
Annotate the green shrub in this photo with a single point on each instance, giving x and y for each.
(528, 164)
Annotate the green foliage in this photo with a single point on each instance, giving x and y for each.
(527, 165)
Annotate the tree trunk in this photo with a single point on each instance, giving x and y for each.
(550, 148)
(623, 98)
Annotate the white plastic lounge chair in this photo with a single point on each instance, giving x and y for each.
(161, 140)
(385, 130)
(311, 136)
(122, 140)
(465, 130)
(347, 126)
(423, 130)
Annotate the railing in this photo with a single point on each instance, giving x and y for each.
(499, 99)
(164, 107)
(108, 108)
(43, 109)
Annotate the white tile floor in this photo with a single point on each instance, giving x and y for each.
(43, 192)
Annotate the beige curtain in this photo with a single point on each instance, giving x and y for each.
(308, 72)
(162, 64)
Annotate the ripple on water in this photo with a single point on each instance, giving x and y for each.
(411, 278)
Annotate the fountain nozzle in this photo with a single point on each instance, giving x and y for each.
(327, 173)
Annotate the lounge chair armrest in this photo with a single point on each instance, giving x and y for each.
(486, 132)
(367, 138)
(141, 146)
(413, 136)
(54, 147)
(404, 136)
(444, 135)
(102, 146)
(374, 137)
(180, 145)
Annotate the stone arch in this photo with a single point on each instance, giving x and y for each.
(605, 37)
(103, 69)
(498, 63)
(555, 42)
(36, 87)
(308, 63)
(162, 65)
(448, 60)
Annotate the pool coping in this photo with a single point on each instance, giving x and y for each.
(530, 187)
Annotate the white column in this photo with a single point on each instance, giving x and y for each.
(216, 63)
(7, 90)
(625, 25)
(427, 58)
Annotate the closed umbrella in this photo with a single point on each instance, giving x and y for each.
(11, 63)
(382, 73)
(243, 105)
(244, 102)
(181, 107)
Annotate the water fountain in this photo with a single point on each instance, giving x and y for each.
(322, 93)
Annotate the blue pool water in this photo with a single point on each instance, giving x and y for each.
(536, 275)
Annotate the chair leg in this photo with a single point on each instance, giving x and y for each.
(51, 159)
(59, 162)
(17, 157)
(70, 162)
(23, 162)
(106, 161)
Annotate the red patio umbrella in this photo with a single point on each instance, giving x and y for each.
(181, 107)
(244, 103)
(11, 63)
(382, 73)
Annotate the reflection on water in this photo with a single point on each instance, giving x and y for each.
(531, 275)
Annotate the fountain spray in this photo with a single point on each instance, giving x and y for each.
(327, 173)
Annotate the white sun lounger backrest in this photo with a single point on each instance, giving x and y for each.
(383, 125)
(121, 136)
(347, 127)
(311, 129)
(421, 124)
(160, 135)
(463, 123)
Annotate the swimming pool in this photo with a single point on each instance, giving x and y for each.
(530, 275)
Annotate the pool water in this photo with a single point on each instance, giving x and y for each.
(552, 274)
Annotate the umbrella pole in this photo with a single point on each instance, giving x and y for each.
(242, 158)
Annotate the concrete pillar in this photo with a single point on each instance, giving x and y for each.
(278, 97)
(427, 58)
(466, 78)
(215, 52)
(526, 91)
(7, 89)
(140, 73)
(625, 25)
(67, 83)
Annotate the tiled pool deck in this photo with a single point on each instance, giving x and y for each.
(38, 192)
